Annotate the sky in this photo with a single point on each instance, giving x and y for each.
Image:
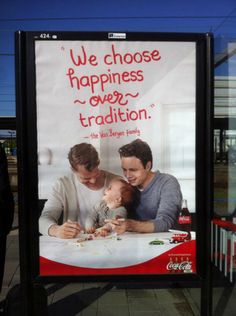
(216, 16)
(94, 8)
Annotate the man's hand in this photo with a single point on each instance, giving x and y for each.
(118, 225)
(68, 230)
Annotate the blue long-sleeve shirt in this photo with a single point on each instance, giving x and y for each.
(160, 202)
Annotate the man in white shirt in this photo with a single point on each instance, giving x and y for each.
(73, 196)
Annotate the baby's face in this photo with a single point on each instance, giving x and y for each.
(113, 192)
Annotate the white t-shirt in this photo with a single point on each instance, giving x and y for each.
(86, 200)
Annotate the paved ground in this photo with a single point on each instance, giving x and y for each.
(108, 300)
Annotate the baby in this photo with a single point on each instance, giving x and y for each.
(113, 205)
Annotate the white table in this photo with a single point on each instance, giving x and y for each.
(111, 252)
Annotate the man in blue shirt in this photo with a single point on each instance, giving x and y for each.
(158, 195)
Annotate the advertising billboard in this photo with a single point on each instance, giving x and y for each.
(115, 126)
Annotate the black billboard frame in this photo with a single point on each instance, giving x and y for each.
(27, 156)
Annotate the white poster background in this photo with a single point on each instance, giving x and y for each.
(167, 93)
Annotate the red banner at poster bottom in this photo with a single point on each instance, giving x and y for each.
(180, 259)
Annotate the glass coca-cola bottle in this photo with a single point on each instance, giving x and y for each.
(185, 219)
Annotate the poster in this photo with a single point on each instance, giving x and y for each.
(108, 93)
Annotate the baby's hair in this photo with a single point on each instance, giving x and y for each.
(127, 192)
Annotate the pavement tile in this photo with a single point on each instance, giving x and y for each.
(117, 288)
(169, 295)
(177, 309)
(11, 274)
(224, 302)
(63, 309)
(83, 302)
(3, 293)
(140, 293)
(193, 298)
(82, 298)
(94, 285)
(143, 304)
(63, 291)
(145, 313)
(114, 299)
(113, 311)
(88, 312)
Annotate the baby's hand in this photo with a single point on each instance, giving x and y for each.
(101, 232)
(118, 217)
(90, 230)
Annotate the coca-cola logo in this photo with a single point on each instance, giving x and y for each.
(184, 219)
(182, 266)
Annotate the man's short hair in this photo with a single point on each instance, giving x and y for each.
(138, 149)
(83, 154)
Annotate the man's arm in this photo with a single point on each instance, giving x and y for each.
(67, 230)
(133, 226)
(169, 206)
(52, 211)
